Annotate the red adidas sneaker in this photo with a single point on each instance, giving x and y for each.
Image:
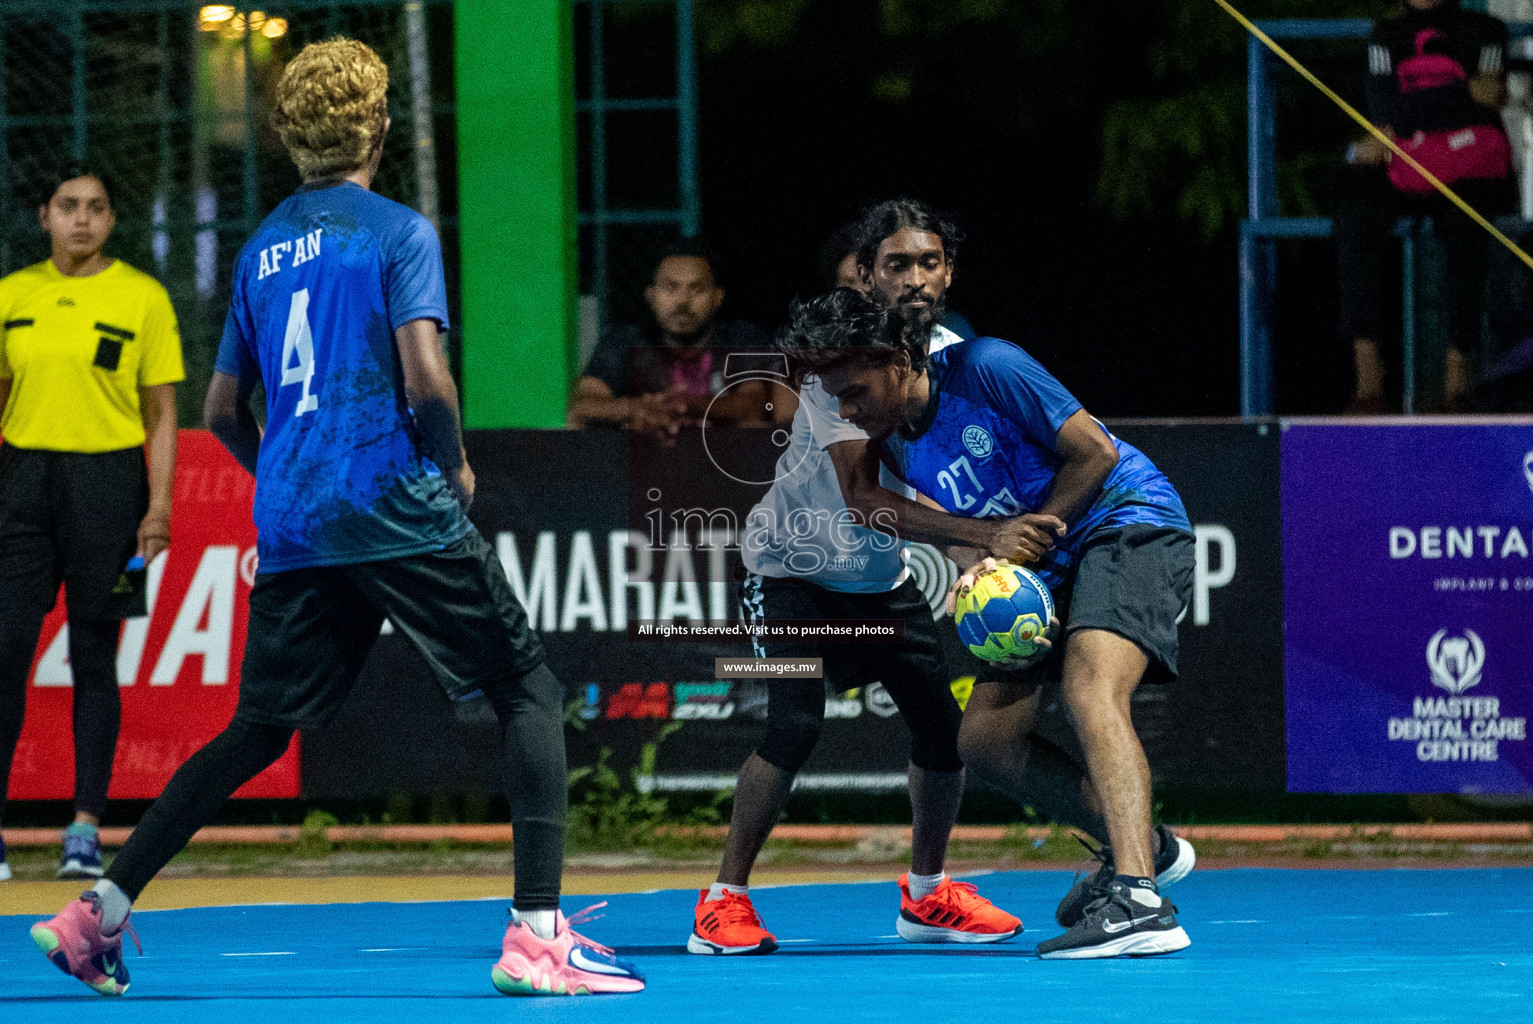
(728, 926)
(956, 912)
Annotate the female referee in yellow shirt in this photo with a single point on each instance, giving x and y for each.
(89, 361)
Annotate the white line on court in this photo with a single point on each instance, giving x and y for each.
(259, 954)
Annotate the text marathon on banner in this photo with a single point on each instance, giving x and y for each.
(1408, 591)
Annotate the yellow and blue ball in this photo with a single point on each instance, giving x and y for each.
(1004, 614)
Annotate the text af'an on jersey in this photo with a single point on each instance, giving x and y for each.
(318, 293)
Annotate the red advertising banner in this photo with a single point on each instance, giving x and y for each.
(178, 667)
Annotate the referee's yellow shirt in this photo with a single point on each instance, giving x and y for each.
(77, 350)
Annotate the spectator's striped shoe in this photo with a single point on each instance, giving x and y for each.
(82, 852)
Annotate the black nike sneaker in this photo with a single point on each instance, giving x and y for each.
(1173, 863)
(1117, 923)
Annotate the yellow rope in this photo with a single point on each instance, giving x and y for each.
(1376, 132)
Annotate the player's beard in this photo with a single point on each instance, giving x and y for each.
(931, 315)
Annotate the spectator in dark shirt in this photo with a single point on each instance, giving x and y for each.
(663, 376)
(1436, 83)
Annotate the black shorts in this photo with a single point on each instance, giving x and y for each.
(919, 658)
(311, 629)
(1131, 580)
(71, 518)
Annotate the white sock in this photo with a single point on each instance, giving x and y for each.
(922, 886)
(1142, 891)
(542, 922)
(717, 890)
(115, 905)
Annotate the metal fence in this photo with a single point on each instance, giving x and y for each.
(636, 104)
(1422, 327)
(171, 100)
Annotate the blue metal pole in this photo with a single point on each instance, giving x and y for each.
(686, 115)
(1261, 132)
(1248, 321)
(1257, 266)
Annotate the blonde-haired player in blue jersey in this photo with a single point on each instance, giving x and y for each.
(362, 485)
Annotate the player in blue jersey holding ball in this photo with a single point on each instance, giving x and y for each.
(984, 430)
(362, 486)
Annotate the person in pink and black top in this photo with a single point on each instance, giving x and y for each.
(664, 378)
(1436, 82)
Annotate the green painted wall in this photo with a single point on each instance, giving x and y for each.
(516, 208)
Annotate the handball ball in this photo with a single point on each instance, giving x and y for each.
(1004, 614)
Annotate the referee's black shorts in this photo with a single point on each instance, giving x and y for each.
(71, 518)
(311, 629)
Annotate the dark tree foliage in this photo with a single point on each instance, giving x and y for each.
(1094, 152)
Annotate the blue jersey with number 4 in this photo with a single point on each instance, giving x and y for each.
(318, 293)
(986, 448)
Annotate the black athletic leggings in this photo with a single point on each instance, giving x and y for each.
(796, 715)
(532, 743)
(97, 712)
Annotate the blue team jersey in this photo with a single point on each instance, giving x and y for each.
(319, 290)
(986, 449)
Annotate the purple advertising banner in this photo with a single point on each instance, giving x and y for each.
(1408, 607)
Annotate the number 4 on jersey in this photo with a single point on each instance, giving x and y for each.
(299, 342)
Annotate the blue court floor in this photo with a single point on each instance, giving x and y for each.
(1289, 947)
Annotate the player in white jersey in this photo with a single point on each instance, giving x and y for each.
(819, 546)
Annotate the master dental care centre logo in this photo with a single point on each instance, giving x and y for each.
(1459, 726)
(1454, 724)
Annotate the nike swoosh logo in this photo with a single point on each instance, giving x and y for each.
(1112, 928)
(579, 959)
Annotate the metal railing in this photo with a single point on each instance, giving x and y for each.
(1265, 226)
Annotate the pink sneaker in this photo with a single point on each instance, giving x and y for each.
(73, 940)
(569, 964)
